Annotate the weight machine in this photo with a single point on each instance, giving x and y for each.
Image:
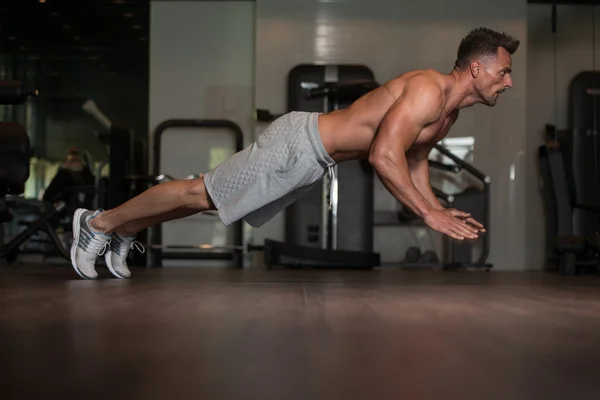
(332, 224)
(570, 174)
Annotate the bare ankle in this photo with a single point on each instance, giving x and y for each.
(125, 233)
(97, 225)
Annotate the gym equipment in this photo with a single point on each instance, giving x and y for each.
(91, 108)
(475, 200)
(15, 92)
(284, 254)
(158, 252)
(15, 154)
(430, 257)
(15, 146)
(580, 149)
(570, 173)
(320, 230)
(63, 203)
(205, 248)
(14, 163)
(567, 252)
(413, 254)
(347, 223)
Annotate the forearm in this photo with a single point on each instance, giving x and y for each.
(395, 176)
(419, 174)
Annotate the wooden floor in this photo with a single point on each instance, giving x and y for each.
(290, 334)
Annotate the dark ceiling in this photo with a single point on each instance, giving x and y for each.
(73, 50)
(59, 36)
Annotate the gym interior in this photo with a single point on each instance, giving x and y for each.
(102, 99)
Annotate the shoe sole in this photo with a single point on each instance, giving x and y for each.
(110, 267)
(76, 229)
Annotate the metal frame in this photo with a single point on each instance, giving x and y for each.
(393, 218)
(486, 181)
(42, 221)
(49, 210)
(157, 252)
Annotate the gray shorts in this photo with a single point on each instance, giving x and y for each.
(284, 163)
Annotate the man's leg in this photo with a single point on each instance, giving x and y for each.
(156, 201)
(166, 201)
(134, 227)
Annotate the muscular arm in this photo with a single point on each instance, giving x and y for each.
(420, 105)
(419, 168)
(419, 174)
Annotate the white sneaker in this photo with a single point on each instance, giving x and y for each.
(87, 244)
(116, 257)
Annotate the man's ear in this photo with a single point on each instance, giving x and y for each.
(475, 68)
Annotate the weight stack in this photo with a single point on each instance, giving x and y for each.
(304, 218)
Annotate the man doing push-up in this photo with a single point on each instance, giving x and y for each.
(394, 126)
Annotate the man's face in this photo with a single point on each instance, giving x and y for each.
(493, 76)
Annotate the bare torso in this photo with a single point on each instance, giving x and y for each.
(348, 133)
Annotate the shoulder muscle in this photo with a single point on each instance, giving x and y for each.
(422, 99)
(421, 104)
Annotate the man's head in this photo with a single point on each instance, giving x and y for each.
(486, 56)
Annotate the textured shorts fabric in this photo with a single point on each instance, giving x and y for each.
(284, 163)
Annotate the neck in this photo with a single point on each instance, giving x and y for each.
(462, 94)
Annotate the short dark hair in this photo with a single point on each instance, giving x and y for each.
(483, 42)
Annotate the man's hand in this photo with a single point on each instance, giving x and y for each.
(454, 223)
(466, 217)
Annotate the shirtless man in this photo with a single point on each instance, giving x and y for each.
(395, 126)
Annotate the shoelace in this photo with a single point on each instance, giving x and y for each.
(135, 244)
(99, 247)
(140, 247)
